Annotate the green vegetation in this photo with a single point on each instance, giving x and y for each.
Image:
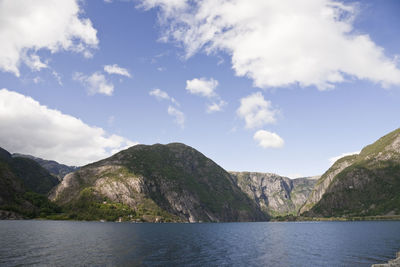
(32, 205)
(171, 179)
(186, 170)
(34, 177)
(369, 186)
(91, 206)
(21, 182)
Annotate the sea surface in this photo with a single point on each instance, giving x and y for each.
(67, 243)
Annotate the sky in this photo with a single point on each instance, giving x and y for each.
(270, 86)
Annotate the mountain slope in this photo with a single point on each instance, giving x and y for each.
(21, 185)
(364, 184)
(165, 182)
(53, 167)
(274, 194)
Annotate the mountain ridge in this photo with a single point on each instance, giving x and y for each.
(175, 178)
(366, 184)
(53, 167)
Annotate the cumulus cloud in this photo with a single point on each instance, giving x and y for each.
(256, 111)
(216, 106)
(95, 83)
(267, 139)
(203, 87)
(115, 69)
(206, 88)
(178, 115)
(162, 95)
(29, 26)
(334, 159)
(31, 128)
(279, 43)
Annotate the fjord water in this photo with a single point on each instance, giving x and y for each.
(67, 243)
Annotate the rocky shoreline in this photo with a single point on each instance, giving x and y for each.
(391, 263)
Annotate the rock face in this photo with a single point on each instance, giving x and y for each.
(173, 181)
(324, 182)
(392, 263)
(53, 167)
(364, 184)
(274, 194)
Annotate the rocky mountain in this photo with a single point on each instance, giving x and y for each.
(56, 169)
(274, 194)
(363, 184)
(23, 187)
(171, 182)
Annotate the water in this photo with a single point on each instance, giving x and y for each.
(65, 243)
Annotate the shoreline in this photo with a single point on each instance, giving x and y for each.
(391, 263)
(341, 219)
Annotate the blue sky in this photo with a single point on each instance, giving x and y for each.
(292, 86)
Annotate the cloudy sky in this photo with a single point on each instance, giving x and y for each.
(256, 85)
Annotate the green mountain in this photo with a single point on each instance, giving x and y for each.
(24, 185)
(275, 195)
(171, 182)
(366, 184)
(53, 167)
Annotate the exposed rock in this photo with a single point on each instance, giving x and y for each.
(367, 184)
(173, 178)
(274, 194)
(391, 263)
(326, 179)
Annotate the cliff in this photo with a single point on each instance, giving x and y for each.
(171, 182)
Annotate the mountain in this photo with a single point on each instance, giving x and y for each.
(23, 188)
(274, 194)
(171, 182)
(366, 184)
(56, 169)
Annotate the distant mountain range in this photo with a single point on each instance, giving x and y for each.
(24, 185)
(174, 182)
(275, 195)
(55, 168)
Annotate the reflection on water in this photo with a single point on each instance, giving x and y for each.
(65, 243)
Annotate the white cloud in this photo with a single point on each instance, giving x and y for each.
(334, 159)
(206, 88)
(256, 111)
(33, 62)
(278, 43)
(31, 128)
(172, 111)
(115, 69)
(203, 87)
(57, 77)
(178, 115)
(215, 106)
(160, 95)
(29, 26)
(267, 139)
(95, 83)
